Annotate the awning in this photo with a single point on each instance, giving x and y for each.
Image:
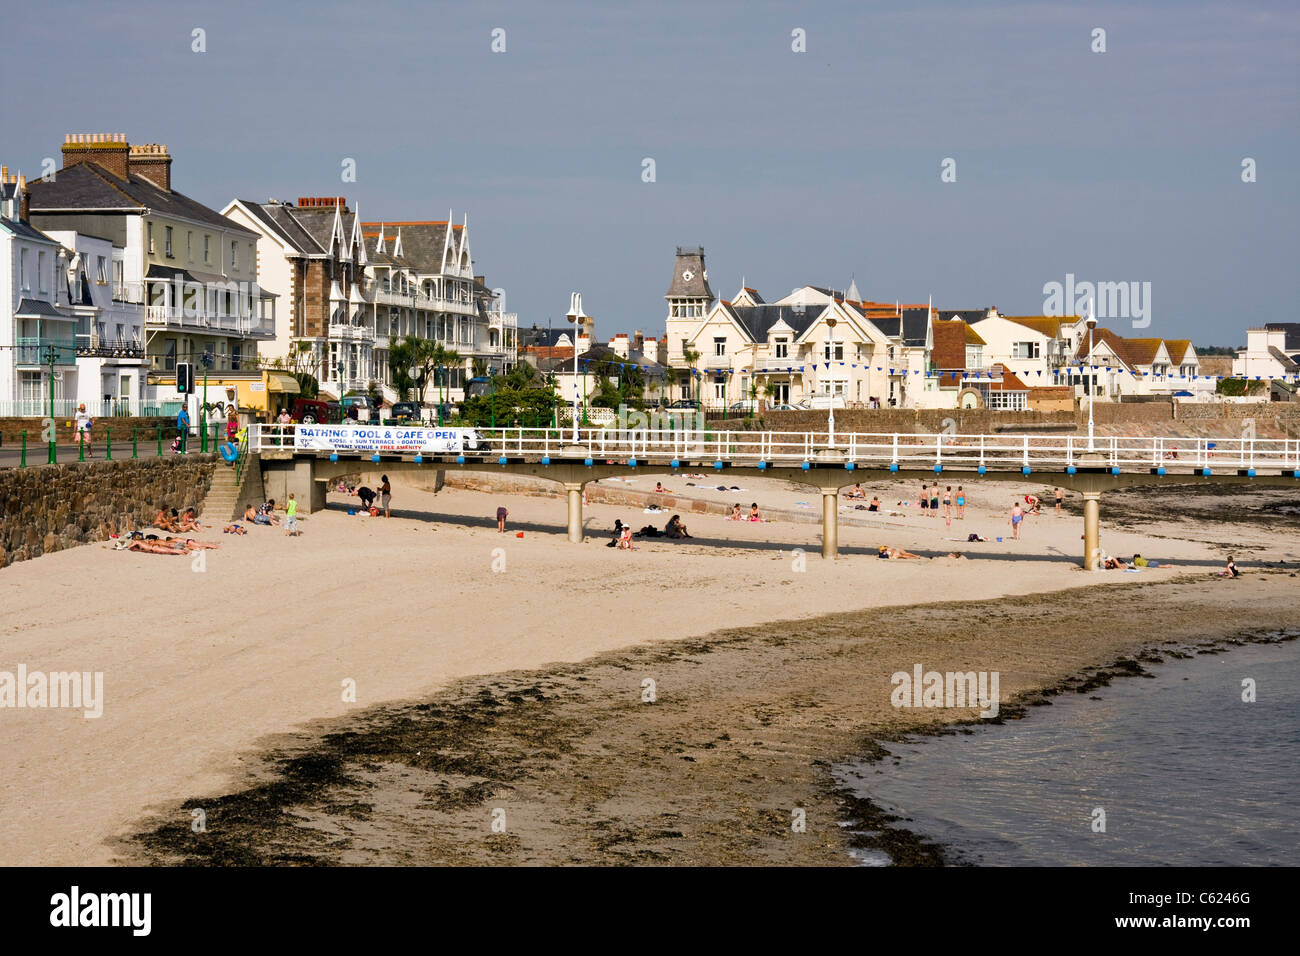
(282, 382)
(39, 309)
(168, 273)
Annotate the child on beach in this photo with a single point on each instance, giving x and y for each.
(1032, 501)
(961, 504)
(291, 516)
(753, 512)
(660, 489)
(735, 513)
(502, 514)
(84, 422)
(385, 495)
(1017, 516)
(934, 500)
(1231, 570)
(625, 539)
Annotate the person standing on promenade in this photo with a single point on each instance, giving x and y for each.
(1017, 516)
(385, 494)
(232, 425)
(83, 428)
(183, 427)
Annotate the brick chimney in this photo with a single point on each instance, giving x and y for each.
(24, 200)
(151, 161)
(638, 340)
(323, 202)
(109, 150)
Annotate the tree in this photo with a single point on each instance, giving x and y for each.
(691, 356)
(422, 355)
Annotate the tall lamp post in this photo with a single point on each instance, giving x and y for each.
(340, 371)
(206, 359)
(575, 316)
(830, 324)
(52, 356)
(1092, 379)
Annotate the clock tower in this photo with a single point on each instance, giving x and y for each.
(689, 295)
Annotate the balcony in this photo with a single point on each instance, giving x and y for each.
(97, 346)
(383, 293)
(714, 361)
(33, 351)
(215, 322)
(777, 364)
(339, 332)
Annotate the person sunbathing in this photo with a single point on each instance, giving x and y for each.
(753, 512)
(898, 554)
(234, 529)
(675, 528)
(855, 492)
(150, 547)
(660, 489)
(189, 544)
(164, 520)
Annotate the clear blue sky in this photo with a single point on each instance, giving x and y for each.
(790, 168)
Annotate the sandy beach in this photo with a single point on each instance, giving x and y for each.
(205, 670)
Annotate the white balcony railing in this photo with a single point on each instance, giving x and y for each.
(172, 317)
(351, 333)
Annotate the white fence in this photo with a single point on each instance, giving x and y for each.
(993, 452)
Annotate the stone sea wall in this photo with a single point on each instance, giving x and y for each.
(50, 508)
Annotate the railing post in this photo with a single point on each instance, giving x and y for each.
(22, 462)
(135, 443)
(1026, 453)
(894, 461)
(81, 445)
(108, 451)
(159, 441)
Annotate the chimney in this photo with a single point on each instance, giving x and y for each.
(638, 340)
(151, 161)
(323, 202)
(109, 150)
(24, 199)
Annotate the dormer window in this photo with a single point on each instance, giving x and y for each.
(782, 348)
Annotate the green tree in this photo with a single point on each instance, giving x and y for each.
(691, 356)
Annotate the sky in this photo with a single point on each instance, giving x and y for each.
(790, 167)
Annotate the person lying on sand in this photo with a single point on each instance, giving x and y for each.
(896, 553)
(674, 528)
(150, 547)
(234, 529)
(189, 544)
(1141, 562)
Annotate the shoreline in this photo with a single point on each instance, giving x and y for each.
(746, 728)
(876, 829)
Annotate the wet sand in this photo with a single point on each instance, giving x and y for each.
(745, 724)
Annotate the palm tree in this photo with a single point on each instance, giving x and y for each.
(691, 356)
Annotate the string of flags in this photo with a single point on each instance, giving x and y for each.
(1066, 370)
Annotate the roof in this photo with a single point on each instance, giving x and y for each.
(1178, 349)
(1048, 325)
(689, 262)
(966, 315)
(39, 307)
(757, 320)
(25, 230)
(950, 341)
(88, 186)
(536, 336)
(1115, 343)
(1009, 383)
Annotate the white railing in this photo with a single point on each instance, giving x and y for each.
(351, 333)
(992, 452)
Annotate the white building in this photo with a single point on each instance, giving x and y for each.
(37, 327)
(1272, 351)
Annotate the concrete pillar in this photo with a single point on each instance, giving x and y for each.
(574, 490)
(830, 522)
(1091, 529)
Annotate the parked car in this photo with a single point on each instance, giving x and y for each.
(785, 408)
(407, 412)
(742, 406)
(310, 411)
(691, 404)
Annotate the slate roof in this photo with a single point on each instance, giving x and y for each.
(37, 307)
(88, 186)
(538, 337)
(20, 228)
(757, 320)
(966, 315)
(690, 260)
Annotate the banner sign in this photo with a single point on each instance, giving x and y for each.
(376, 438)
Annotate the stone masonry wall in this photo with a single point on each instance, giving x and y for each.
(11, 430)
(50, 508)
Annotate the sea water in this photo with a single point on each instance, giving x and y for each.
(1176, 769)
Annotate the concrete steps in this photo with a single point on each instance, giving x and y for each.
(226, 499)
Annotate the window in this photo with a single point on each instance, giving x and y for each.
(149, 236)
(234, 255)
(207, 248)
(839, 352)
(782, 348)
(1025, 350)
(719, 346)
(101, 270)
(720, 391)
(189, 246)
(119, 280)
(236, 356)
(1011, 401)
(40, 272)
(169, 355)
(167, 242)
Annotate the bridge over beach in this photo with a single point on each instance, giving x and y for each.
(308, 459)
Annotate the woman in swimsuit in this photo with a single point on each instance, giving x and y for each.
(947, 504)
(735, 513)
(961, 503)
(875, 503)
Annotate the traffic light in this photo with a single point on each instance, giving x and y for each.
(184, 378)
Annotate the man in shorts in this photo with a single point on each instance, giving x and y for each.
(1060, 498)
(83, 428)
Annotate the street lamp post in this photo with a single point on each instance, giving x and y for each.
(1092, 381)
(830, 324)
(573, 317)
(51, 356)
(203, 435)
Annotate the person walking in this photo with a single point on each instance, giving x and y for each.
(291, 516)
(1060, 498)
(232, 424)
(84, 422)
(1017, 516)
(183, 427)
(385, 494)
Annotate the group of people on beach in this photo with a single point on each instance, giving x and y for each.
(368, 496)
